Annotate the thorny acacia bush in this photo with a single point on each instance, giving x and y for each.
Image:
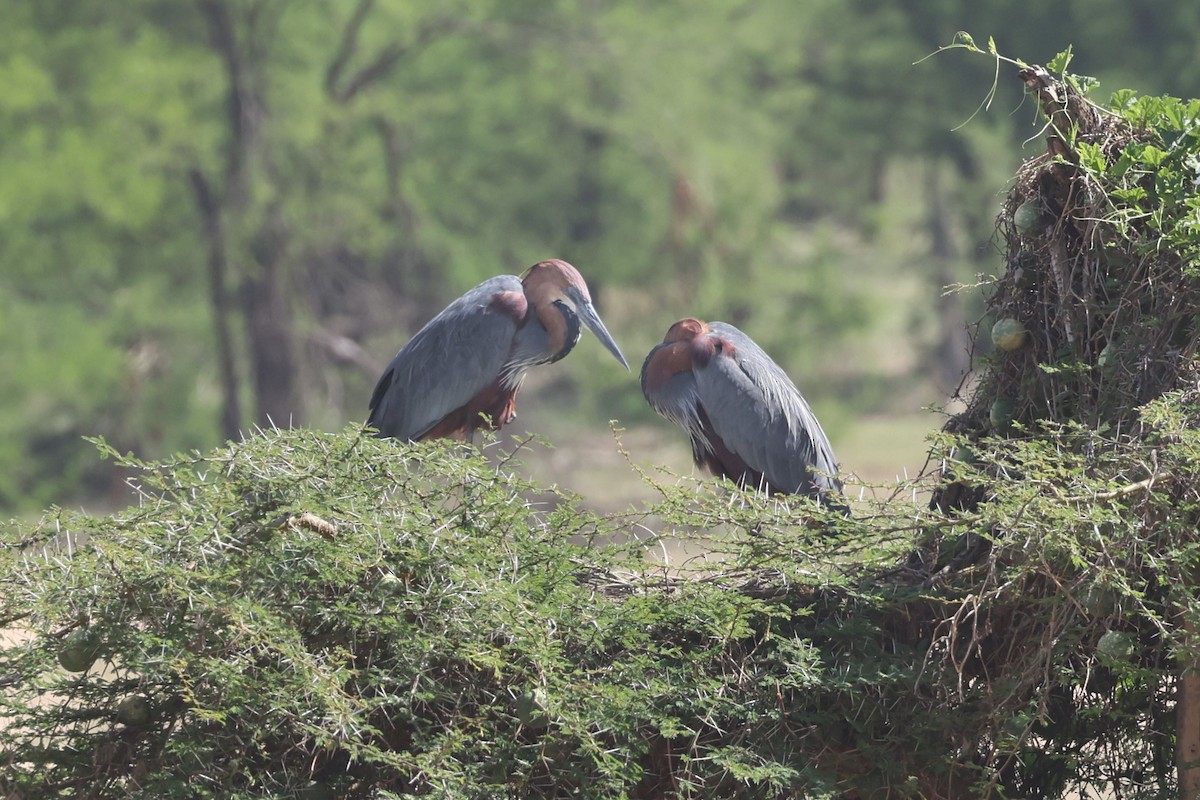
(310, 612)
(310, 615)
(326, 615)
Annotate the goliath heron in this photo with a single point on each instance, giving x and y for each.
(745, 418)
(463, 369)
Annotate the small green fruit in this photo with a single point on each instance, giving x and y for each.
(531, 709)
(1008, 334)
(1001, 414)
(963, 455)
(1098, 601)
(1018, 724)
(316, 791)
(134, 710)
(391, 583)
(1115, 646)
(1030, 218)
(79, 651)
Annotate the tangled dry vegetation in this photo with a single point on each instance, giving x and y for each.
(328, 615)
(1106, 295)
(1090, 401)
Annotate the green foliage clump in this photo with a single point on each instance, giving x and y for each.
(1101, 242)
(1092, 417)
(303, 613)
(305, 610)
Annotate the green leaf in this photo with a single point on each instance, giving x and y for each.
(1061, 61)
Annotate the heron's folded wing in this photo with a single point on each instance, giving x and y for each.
(454, 357)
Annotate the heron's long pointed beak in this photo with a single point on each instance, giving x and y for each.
(592, 320)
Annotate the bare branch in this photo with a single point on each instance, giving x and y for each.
(222, 34)
(346, 350)
(218, 268)
(387, 59)
(377, 69)
(346, 47)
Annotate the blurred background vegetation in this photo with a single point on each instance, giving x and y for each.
(218, 214)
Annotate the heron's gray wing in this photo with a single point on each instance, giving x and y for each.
(760, 415)
(454, 357)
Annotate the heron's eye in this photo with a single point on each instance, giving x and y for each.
(572, 295)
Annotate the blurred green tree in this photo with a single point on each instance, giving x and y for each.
(224, 213)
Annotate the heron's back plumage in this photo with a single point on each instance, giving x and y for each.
(457, 355)
(744, 416)
(758, 412)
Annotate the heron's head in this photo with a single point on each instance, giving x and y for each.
(672, 356)
(689, 343)
(685, 330)
(561, 299)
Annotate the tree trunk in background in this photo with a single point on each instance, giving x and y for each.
(235, 34)
(952, 351)
(218, 267)
(421, 281)
(243, 218)
(271, 329)
(1187, 720)
(585, 217)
